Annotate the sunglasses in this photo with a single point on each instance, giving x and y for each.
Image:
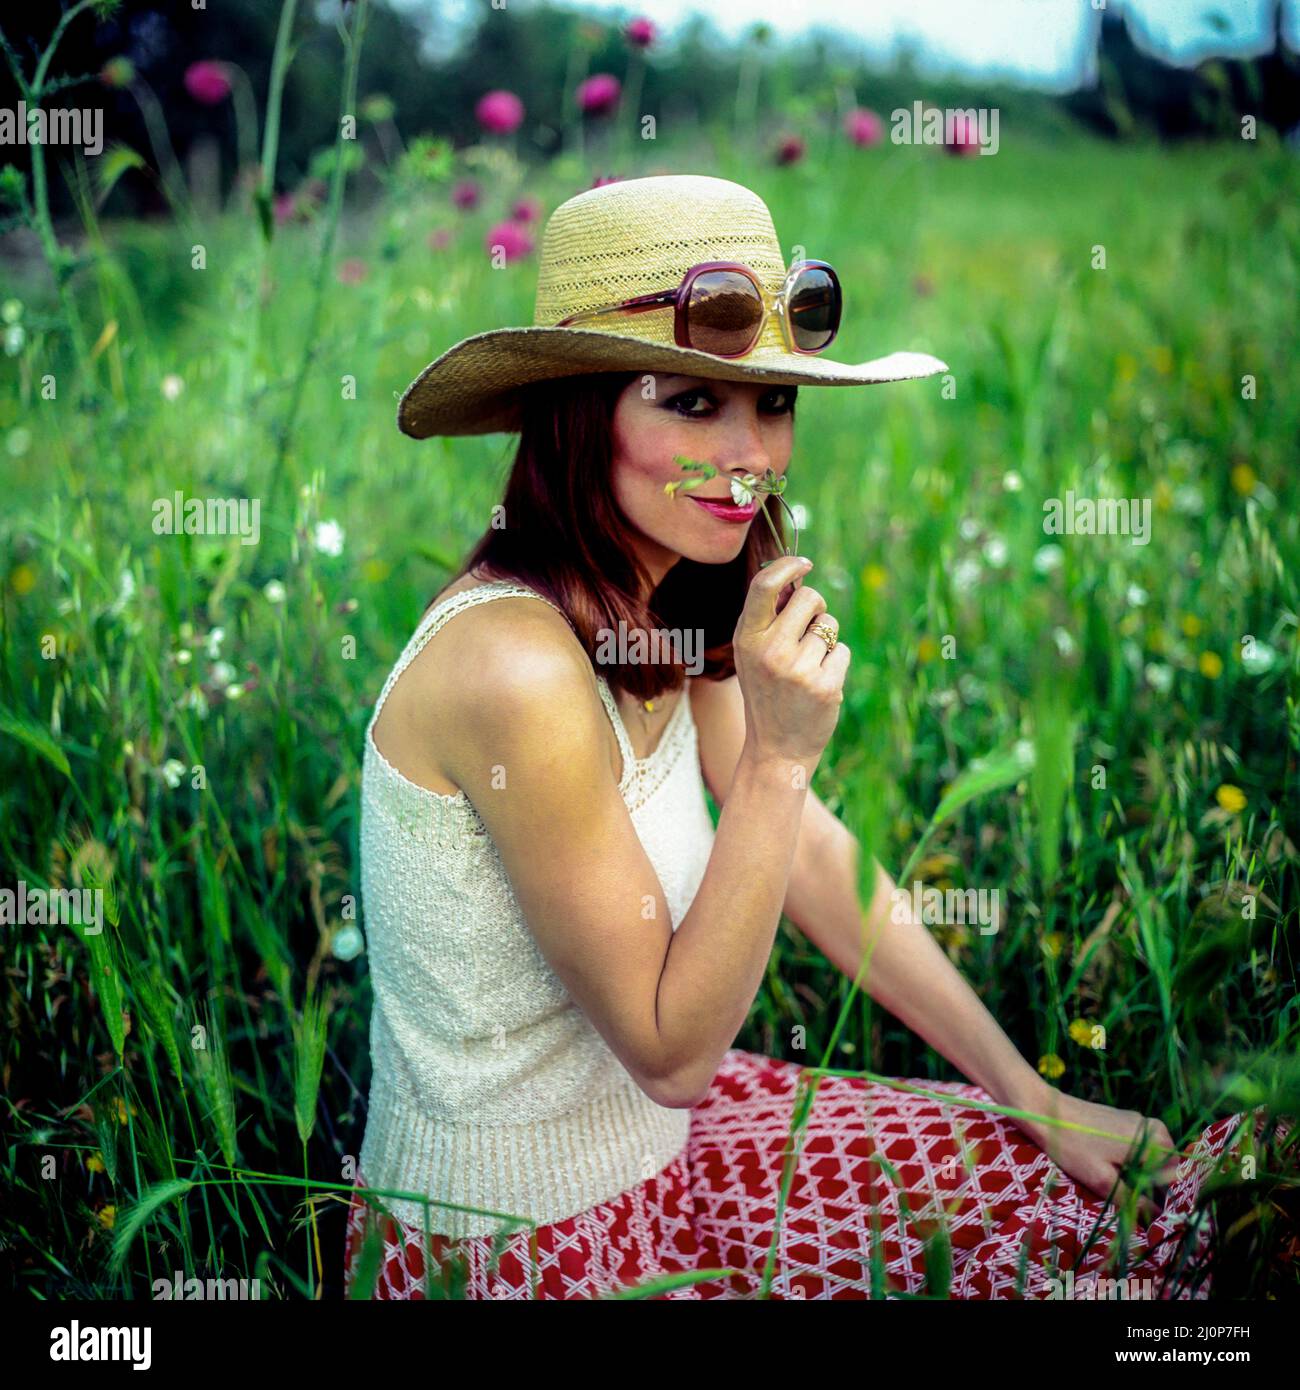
(720, 308)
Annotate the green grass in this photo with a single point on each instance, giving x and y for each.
(212, 1040)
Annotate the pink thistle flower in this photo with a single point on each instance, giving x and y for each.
(440, 238)
(465, 195)
(207, 82)
(641, 32)
(965, 136)
(513, 239)
(599, 95)
(352, 271)
(284, 206)
(790, 150)
(499, 112)
(864, 127)
(526, 209)
(602, 179)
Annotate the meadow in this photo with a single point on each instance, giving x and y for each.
(1104, 731)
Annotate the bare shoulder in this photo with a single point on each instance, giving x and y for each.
(489, 669)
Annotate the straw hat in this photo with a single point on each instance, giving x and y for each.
(635, 237)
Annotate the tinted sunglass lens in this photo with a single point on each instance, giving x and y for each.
(814, 309)
(723, 312)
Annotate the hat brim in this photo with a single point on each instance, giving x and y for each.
(473, 387)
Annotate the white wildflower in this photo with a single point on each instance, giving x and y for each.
(172, 772)
(995, 551)
(348, 942)
(274, 591)
(172, 386)
(1048, 558)
(328, 538)
(1159, 677)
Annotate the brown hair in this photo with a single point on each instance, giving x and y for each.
(566, 537)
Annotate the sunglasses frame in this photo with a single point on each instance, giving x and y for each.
(680, 297)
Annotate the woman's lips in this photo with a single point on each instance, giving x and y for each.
(727, 511)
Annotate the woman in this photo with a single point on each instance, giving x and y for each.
(562, 948)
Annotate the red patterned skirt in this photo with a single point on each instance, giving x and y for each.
(881, 1175)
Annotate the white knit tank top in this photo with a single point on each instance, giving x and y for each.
(491, 1088)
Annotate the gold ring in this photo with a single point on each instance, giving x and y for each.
(827, 633)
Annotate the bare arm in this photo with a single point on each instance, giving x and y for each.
(908, 973)
(527, 739)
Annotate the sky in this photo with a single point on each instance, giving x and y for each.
(1043, 43)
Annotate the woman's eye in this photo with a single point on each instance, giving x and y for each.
(688, 401)
(778, 401)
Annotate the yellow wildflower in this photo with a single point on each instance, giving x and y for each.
(874, 576)
(1231, 798)
(1051, 1066)
(107, 1216)
(95, 1163)
(1081, 1031)
(1211, 664)
(927, 648)
(1052, 943)
(1191, 625)
(1163, 359)
(1126, 367)
(1242, 478)
(22, 580)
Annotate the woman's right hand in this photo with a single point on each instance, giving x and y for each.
(791, 683)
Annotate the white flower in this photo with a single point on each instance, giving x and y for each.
(1048, 558)
(965, 575)
(1136, 596)
(348, 943)
(222, 673)
(800, 514)
(125, 591)
(274, 591)
(12, 310)
(215, 639)
(234, 692)
(183, 656)
(15, 337)
(1012, 482)
(172, 772)
(968, 528)
(1064, 642)
(741, 492)
(18, 442)
(1159, 677)
(995, 551)
(172, 386)
(328, 538)
(1260, 660)
(1188, 500)
(195, 699)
